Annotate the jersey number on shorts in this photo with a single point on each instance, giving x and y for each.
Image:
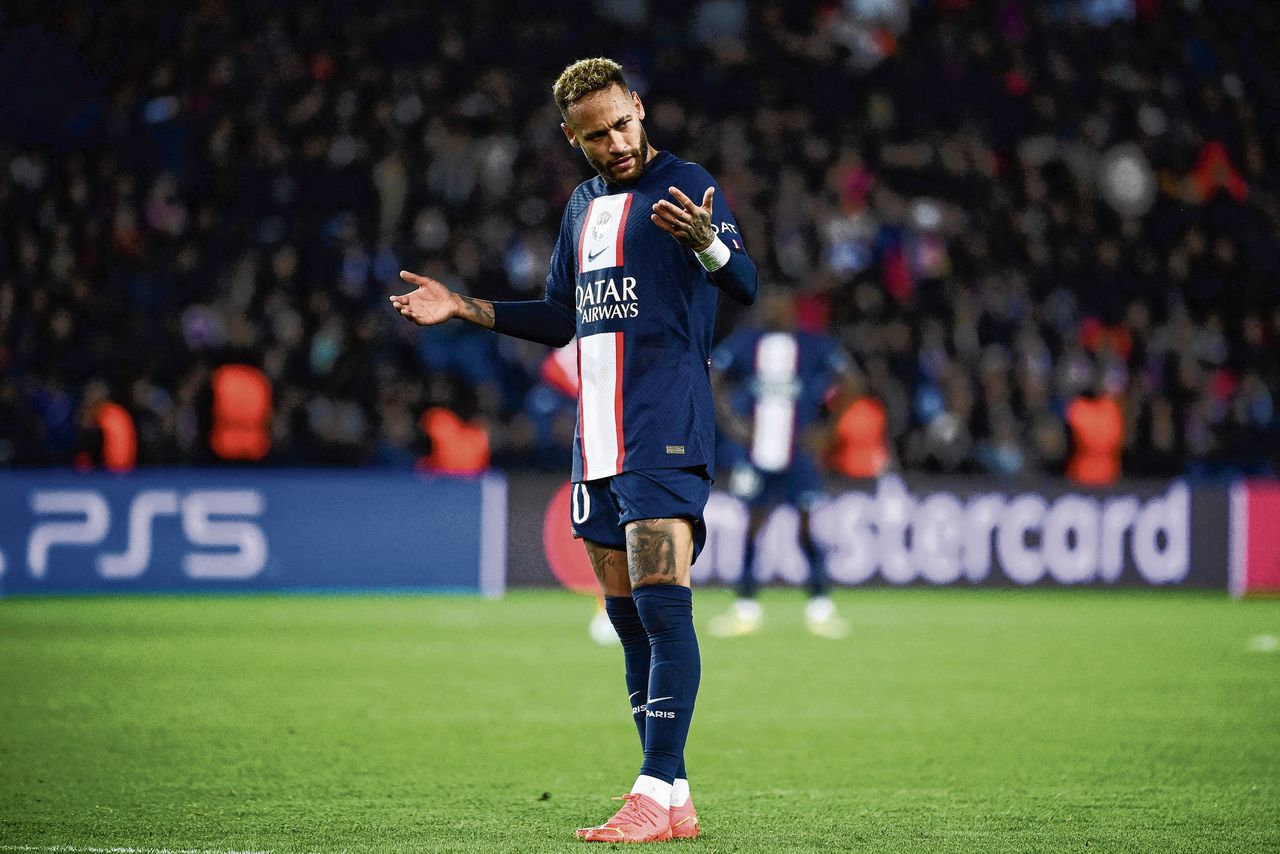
(580, 503)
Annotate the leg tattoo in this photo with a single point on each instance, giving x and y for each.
(652, 555)
(610, 566)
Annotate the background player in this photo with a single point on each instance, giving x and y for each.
(634, 274)
(771, 383)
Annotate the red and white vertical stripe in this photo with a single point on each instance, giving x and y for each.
(600, 360)
(600, 244)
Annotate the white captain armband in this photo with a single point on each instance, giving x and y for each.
(714, 256)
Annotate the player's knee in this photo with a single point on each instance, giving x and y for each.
(660, 581)
(664, 607)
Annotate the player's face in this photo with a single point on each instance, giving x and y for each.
(606, 125)
(778, 312)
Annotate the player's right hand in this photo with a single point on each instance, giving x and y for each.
(430, 304)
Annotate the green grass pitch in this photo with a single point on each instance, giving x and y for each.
(965, 721)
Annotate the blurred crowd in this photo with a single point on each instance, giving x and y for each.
(1000, 208)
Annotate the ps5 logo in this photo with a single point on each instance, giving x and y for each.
(221, 519)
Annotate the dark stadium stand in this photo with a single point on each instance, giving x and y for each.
(1000, 208)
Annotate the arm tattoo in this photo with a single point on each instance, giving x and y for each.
(651, 554)
(478, 311)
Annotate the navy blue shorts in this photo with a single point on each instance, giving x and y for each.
(601, 509)
(799, 484)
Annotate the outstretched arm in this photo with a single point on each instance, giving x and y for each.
(432, 303)
(544, 321)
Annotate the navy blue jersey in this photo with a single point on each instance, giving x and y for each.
(644, 309)
(780, 381)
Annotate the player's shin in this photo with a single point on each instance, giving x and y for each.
(675, 670)
(746, 614)
(635, 654)
(818, 583)
(747, 580)
(820, 614)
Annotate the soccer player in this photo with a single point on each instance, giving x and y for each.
(635, 275)
(770, 385)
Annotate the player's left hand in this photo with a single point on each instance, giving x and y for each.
(688, 223)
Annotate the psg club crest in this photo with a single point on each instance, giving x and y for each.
(597, 231)
(603, 226)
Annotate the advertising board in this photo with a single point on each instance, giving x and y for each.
(230, 530)
(1255, 538)
(942, 531)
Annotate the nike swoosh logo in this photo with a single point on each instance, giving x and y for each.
(659, 700)
(632, 694)
(591, 256)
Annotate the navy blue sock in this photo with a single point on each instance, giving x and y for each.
(674, 672)
(635, 653)
(817, 567)
(747, 581)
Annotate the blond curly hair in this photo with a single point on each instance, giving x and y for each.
(586, 76)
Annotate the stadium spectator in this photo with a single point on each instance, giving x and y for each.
(458, 435)
(860, 441)
(107, 436)
(457, 446)
(964, 177)
(1097, 432)
(239, 413)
